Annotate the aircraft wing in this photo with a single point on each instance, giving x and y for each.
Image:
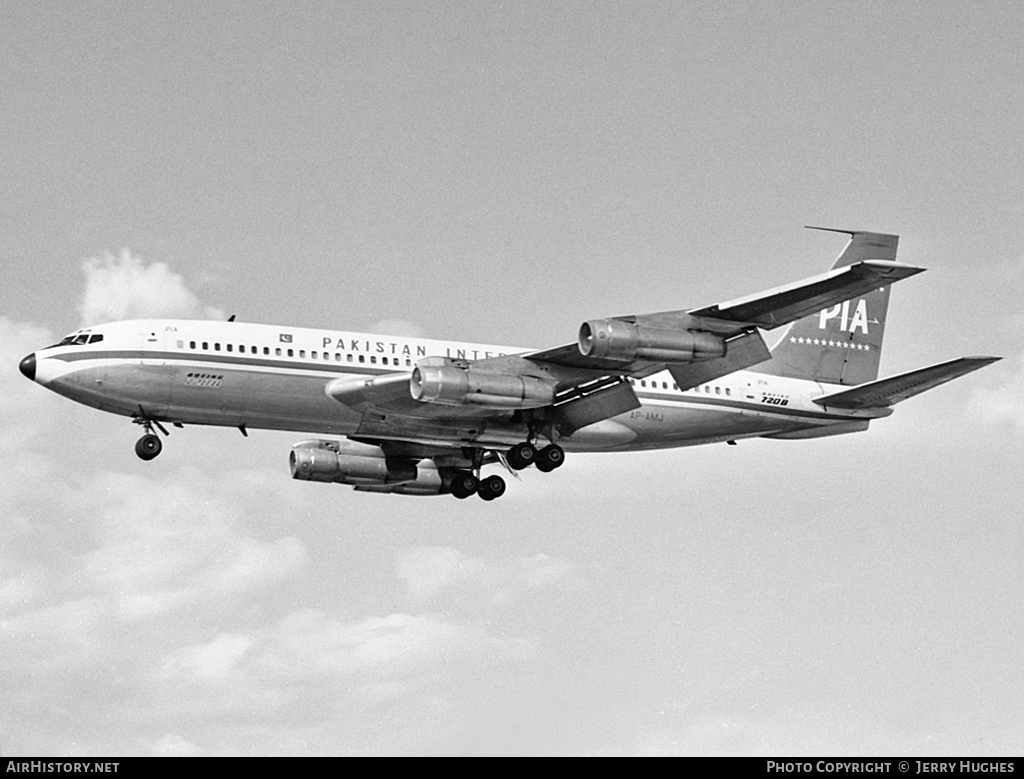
(736, 322)
(888, 392)
(585, 382)
(782, 305)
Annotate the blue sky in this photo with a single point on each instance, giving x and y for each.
(498, 173)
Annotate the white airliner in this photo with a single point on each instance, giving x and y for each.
(423, 417)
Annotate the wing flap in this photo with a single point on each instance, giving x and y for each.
(888, 392)
(742, 352)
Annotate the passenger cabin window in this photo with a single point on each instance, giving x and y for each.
(266, 349)
(191, 344)
(206, 344)
(229, 347)
(277, 351)
(291, 352)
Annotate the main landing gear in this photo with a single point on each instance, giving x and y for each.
(520, 456)
(526, 454)
(465, 484)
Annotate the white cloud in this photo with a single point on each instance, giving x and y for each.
(210, 661)
(25, 406)
(169, 545)
(173, 745)
(429, 570)
(1002, 403)
(15, 593)
(125, 287)
(393, 646)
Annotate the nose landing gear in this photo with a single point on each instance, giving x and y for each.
(149, 446)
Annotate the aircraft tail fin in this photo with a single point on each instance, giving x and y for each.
(841, 344)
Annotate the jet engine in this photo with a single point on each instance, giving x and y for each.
(456, 383)
(617, 339)
(364, 466)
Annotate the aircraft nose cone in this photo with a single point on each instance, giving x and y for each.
(28, 367)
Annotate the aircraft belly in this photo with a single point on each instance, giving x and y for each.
(673, 425)
(606, 434)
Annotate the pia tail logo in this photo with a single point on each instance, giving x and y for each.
(859, 320)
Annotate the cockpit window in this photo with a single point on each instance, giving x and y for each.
(79, 339)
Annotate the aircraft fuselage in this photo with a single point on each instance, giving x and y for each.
(273, 377)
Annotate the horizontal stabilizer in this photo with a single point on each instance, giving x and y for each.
(788, 303)
(888, 392)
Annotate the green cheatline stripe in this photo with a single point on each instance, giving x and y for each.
(363, 369)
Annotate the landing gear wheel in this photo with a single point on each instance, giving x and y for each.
(492, 487)
(148, 447)
(549, 458)
(521, 456)
(464, 484)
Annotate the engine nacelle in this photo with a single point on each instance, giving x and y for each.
(616, 339)
(363, 465)
(453, 383)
